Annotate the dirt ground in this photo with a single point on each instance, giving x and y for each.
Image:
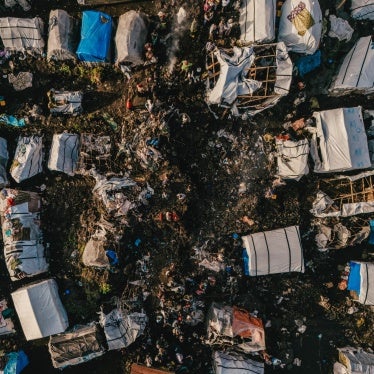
(206, 159)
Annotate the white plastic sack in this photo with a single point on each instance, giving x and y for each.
(340, 28)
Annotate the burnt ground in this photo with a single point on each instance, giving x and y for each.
(207, 159)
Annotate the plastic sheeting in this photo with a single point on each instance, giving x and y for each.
(22, 34)
(300, 26)
(27, 160)
(122, 329)
(94, 251)
(362, 9)
(226, 322)
(6, 323)
(61, 36)
(355, 360)
(65, 102)
(82, 344)
(357, 70)
(4, 156)
(64, 153)
(235, 363)
(16, 362)
(257, 20)
(276, 251)
(308, 63)
(130, 38)
(340, 142)
(364, 278)
(340, 28)
(40, 309)
(23, 249)
(292, 158)
(96, 32)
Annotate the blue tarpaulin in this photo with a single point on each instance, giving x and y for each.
(308, 63)
(246, 262)
(17, 361)
(96, 32)
(354, 279)
(371, 237)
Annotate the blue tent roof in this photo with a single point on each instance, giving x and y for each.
(96, 32)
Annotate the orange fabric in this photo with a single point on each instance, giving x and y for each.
(141, 369)
(243, 323)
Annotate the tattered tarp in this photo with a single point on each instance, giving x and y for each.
(22, 34)
(300, 25)
(40, 309)
(64, 153)
(340, 142)
(257, 20)
(23, 247)
(292, 158)
(6, 323)
(271, 252)
(61, 36)
(130, 38)
(65, 102)
(122, 329)
(354, 361)
(226, 322)
(362, 9)
(361, 280)
(357, 70)
(235, 363)
(27, 160)
(96, 32)
(77, 346)
(94, 251)
(4, 156)
(141, 369)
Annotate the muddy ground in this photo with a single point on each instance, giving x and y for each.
(208, 166)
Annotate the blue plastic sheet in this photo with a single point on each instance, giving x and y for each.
(17, 361)
(371, 236)
(12, 121)
(112, 256)
(308, 63)
(96, 33)
(246, 261)
(354, 278)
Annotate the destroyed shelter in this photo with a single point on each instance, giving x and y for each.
(354, 361)
(65, 102)
(235, 363)
(360, 281)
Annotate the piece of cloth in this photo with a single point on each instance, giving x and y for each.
(340, 28)
(21, 81)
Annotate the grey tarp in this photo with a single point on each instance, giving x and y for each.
(75, 347)
(235, 363)
(61, 36)
(4, 156)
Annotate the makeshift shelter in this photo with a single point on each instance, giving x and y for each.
(350, 195)
(141, 369)
(272, 252)
(340, 142)
(356, 74)
(235, 363)
(224, 323)
(22, 35)
(27, 160)
(6, 323)
(360, 280)
(130, 38)
(249, 79)
(96, 32)
(4, 157)
(292, 158)
(40, 309)
(82, 344)
(354, 361)
(62, 32)
(300, 26)
(65, 102)
(24, 252)
(362, 9)
(257, 21)
(122, 328)
(64, 153)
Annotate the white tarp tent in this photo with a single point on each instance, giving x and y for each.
(64, 153)
(257, 21)
(360, 280)
(61, 36)
(130, 38)
(4, 157)
(27, 160)
(292, 158)
(122, 329)
(235, 363)
(65, 102)
(272, 252)
(40, 309)
(23, 248)
(340, 142)
(357, 70)
(362, 9)
(354, 361)
(300, 26)
(22, 34)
